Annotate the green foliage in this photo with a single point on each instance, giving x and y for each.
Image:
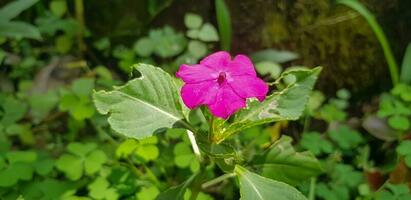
(406, 66)
(100, 189)
(253, 186)
(282, 163)
(81, 159)
(404, 149)
(315, 143)
(13, 9)
(77, 101)
(400, 192)
(145, 149)
(273, 55)
(287, 104)
(346, 138)
(154, 98)
(270, 68)
(184, 157)
(16, 29)
(224, 24)
(193, 21)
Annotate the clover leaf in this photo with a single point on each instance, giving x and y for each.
(193, 21)
(148, 193)
(100, 189)
(404, 149)
(16, 166)
(346, 138)
(400, 191)
(184, 157)
(82, 158)
(77, 99)
(145, 148)
(315, 143)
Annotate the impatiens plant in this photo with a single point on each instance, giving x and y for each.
(220, 97)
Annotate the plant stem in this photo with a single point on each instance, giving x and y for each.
(313, 183)
(79, 9)
(217, 180)
(194, 145)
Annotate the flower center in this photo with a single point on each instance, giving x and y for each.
(221, 78)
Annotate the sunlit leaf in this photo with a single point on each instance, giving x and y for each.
(143, 105)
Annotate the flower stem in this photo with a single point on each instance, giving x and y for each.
(311, 194)
(217, 180)
(194, 145)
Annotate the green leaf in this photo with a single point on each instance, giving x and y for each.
(15, 172)
(343, 94)
(396, 192)
(167, 43)
(315, 143)
(81, 149)
(405, 75)
(403, 91)
(283, 163)
(21, 156)
(100, 189)
(224, 24)
(346, 175)
(193, 21)
(58, 7)
(346, 138)
(197, 49)
(144, 47)
(14, 8)
(42, 104)
(271, 68)
(143, 105)
(148, 193)
(83, 87)
(82, 158)
(16, 29)
(254, 187)
(286, 104)
(94, 161)
(177, 192)
(273, 55)
(399, 122)
(13, 109)
(193, 33)
(184, 157)
(404, 148)
(63, 43)
(208, 33)
(72, 166)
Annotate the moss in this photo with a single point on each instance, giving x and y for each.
(336, 38)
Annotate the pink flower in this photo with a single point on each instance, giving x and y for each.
(221, 83)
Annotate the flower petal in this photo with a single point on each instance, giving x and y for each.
(249, 86)
(196, 94)
(226, 103)
(196, 73)
(241, 65)
(218, 61)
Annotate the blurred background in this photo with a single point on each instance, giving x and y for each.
(54, 53)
